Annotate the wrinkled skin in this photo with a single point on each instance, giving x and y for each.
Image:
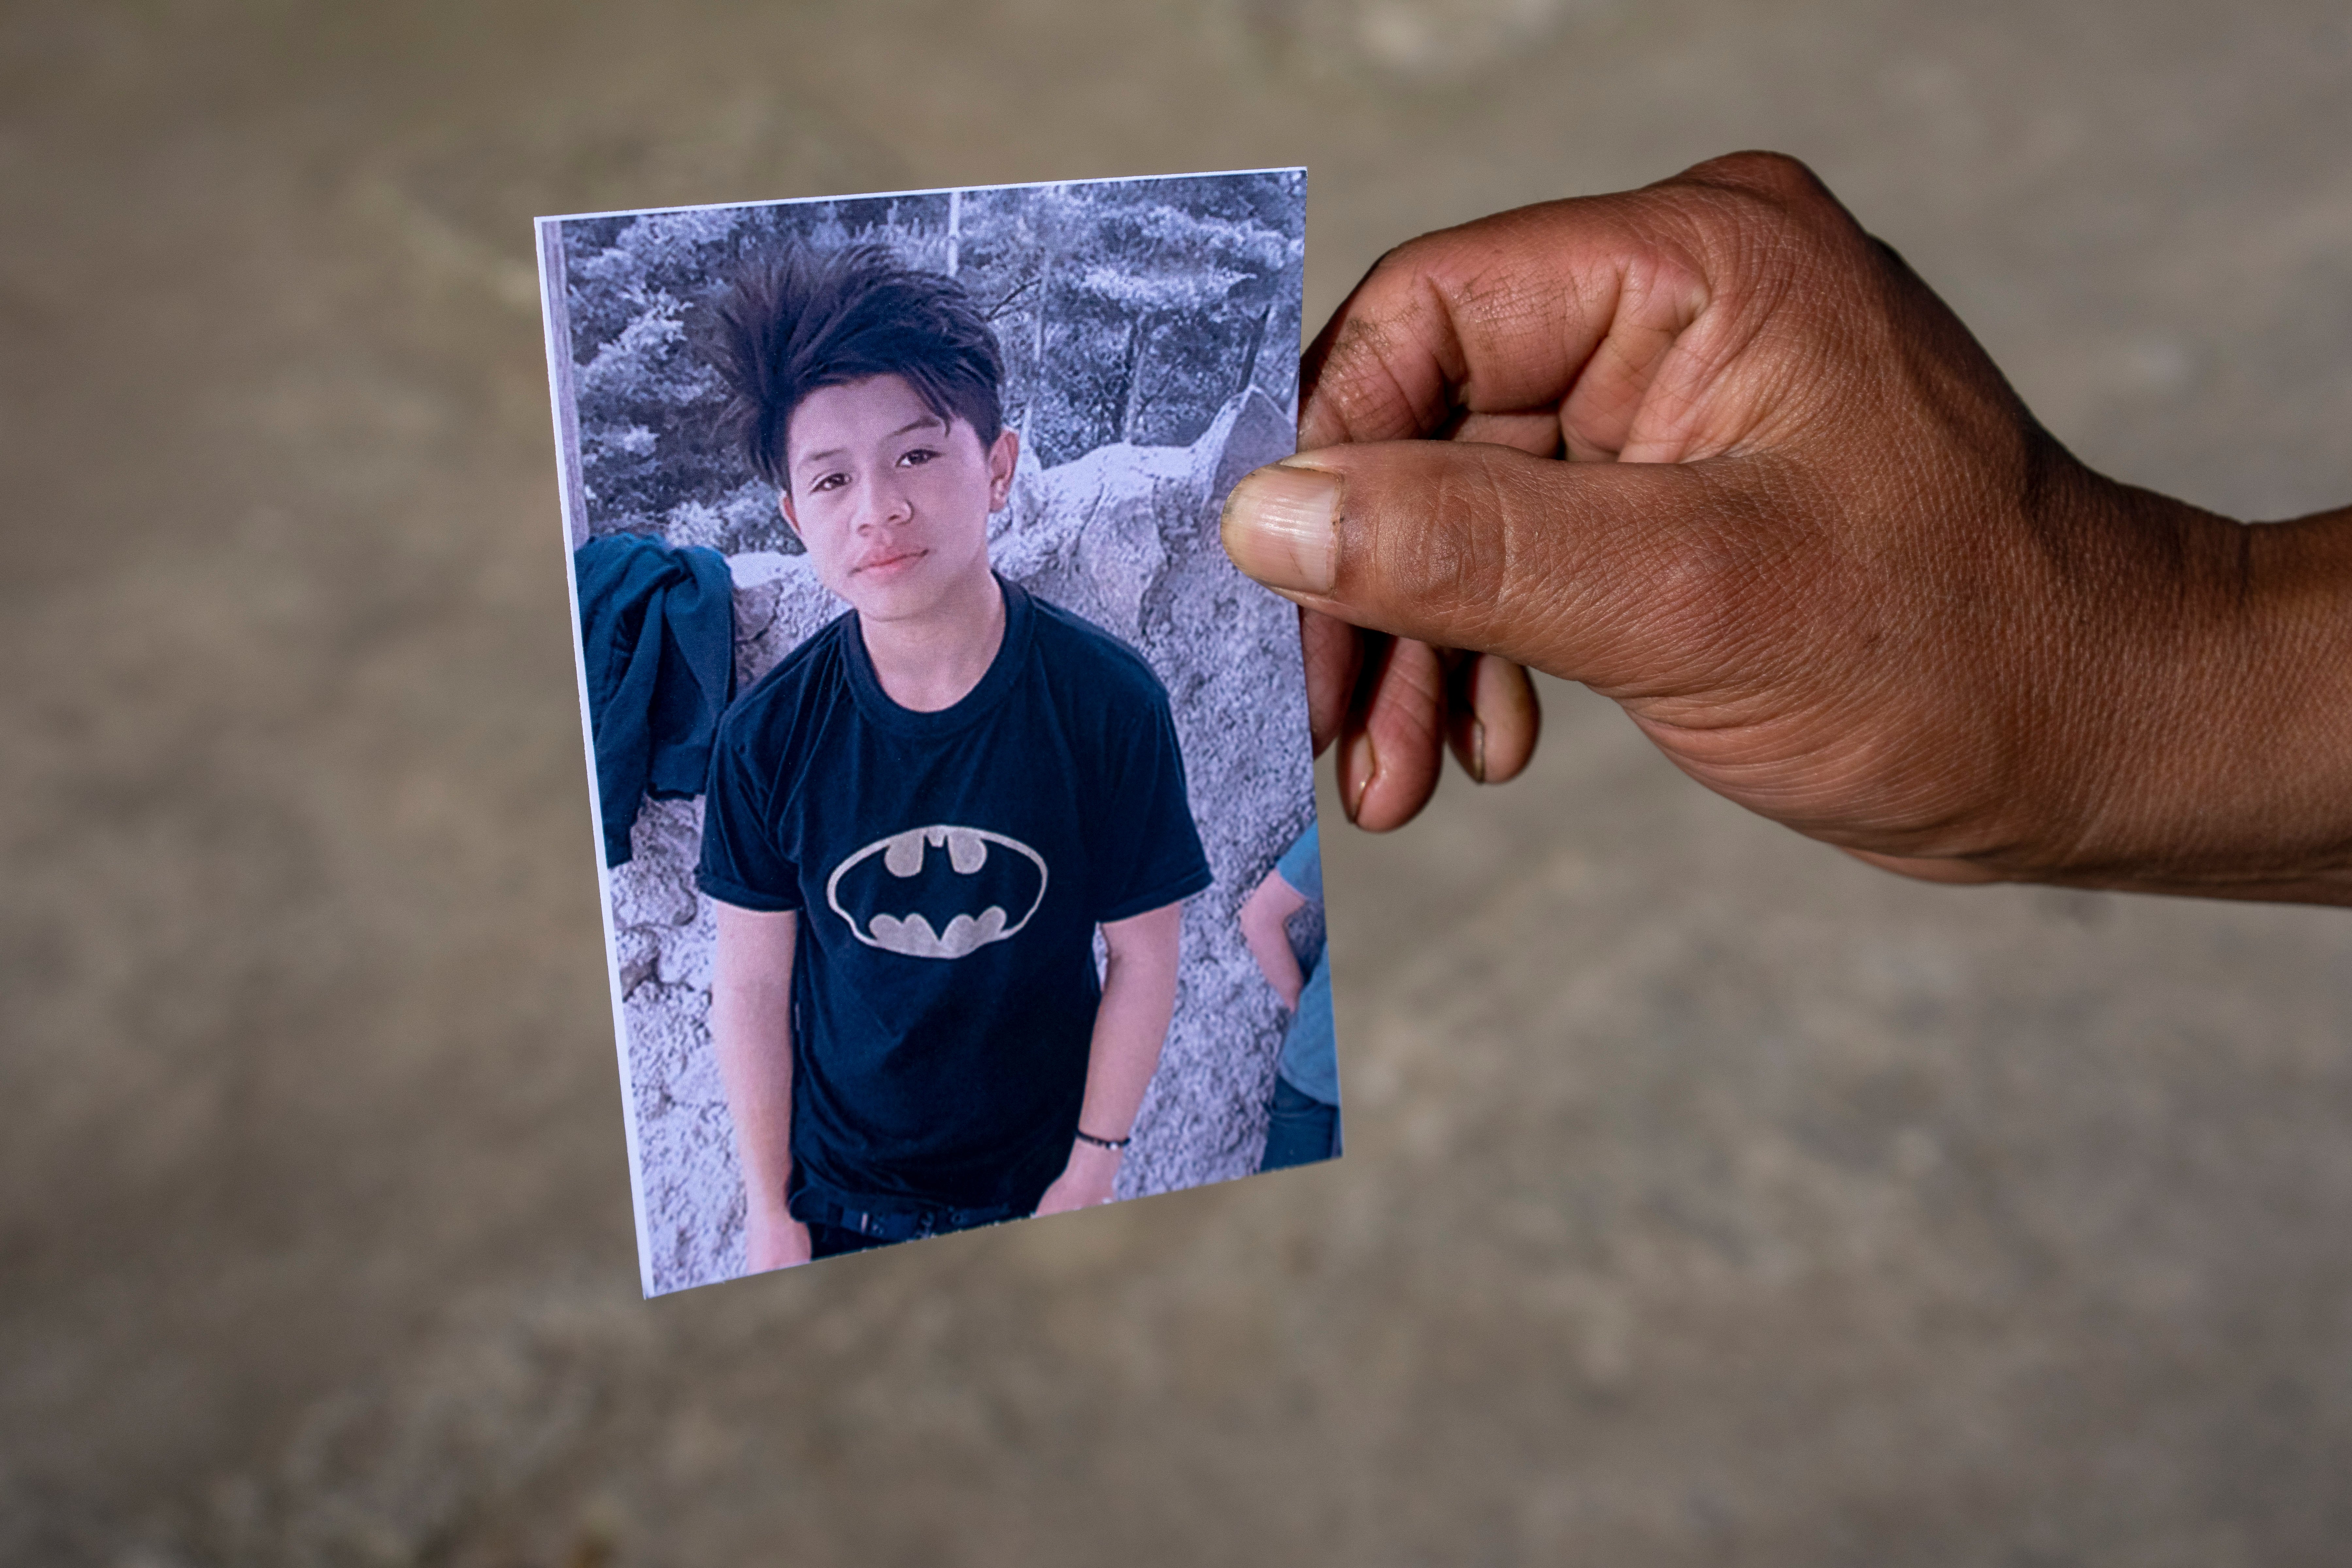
(1713, 450)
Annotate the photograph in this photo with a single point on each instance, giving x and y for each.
(953, 792)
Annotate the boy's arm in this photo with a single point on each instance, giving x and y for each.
(1138, 997)
(1265, 928)
(751, 1027)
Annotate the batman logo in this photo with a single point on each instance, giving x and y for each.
(924, 905)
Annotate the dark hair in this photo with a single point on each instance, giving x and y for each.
(794, 321)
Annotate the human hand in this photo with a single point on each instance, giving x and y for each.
(1811, 542)
(1085, 1181)
(774, 1239)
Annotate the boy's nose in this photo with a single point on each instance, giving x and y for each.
(886, 503)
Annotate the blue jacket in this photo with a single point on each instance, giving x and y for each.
(657, 641)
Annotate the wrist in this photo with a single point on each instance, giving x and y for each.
(766, 1210)
(2220, 698)
(1112, 1148)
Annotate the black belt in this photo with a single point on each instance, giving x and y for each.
(908, 1224)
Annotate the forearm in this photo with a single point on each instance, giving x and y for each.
(1139, 998)
(751, 1030)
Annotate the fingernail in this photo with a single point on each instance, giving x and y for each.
(1477, 751)
(1281, 526)
(1358, 763)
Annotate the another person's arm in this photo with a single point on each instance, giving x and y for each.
(1711, 449)
(1139, 998)
(1265, 928)
(752, 1027)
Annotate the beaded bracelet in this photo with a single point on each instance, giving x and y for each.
(1111, 1143)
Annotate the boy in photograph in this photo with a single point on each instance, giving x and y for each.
(917, 822)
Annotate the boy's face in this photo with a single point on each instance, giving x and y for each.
(891, 500)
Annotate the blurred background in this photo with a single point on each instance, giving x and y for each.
(1709, 1199)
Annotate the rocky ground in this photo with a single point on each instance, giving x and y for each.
(1709, 1199)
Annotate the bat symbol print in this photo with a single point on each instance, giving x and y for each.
(897, 895)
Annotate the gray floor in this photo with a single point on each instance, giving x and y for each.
(1712, 1200)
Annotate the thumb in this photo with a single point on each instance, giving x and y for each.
(1617, 575)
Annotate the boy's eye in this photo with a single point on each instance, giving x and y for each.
(917, 457)
(830, 481)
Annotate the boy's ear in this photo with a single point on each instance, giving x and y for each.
(784, 505)
(1004, 461)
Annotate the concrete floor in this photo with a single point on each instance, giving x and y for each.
(1711, 1199)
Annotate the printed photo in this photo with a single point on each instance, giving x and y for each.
(953, 792)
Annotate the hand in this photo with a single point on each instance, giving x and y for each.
(774, 1239)
(1085, 1181)
(1711, 449)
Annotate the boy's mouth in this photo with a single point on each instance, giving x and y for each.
(887, 561)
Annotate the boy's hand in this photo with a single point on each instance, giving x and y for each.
(1085, 1181)
(1809, 538)
(773, 1241)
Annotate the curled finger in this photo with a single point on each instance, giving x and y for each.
(1492, 717)
(1391, 739)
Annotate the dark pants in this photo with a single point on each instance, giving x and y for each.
(832, 1241)
(1300, 1130)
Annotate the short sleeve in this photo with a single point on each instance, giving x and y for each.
(1301, 864)
(741, 864)
(1151, 853)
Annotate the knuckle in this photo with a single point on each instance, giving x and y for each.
(1758, 190)
(1790, 181)
(1756, 205)
(1780, 254)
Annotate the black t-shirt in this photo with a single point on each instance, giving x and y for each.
(950, 869)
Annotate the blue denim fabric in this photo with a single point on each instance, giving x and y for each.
(1300, 1130)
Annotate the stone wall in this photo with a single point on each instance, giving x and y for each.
(1126, 536)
